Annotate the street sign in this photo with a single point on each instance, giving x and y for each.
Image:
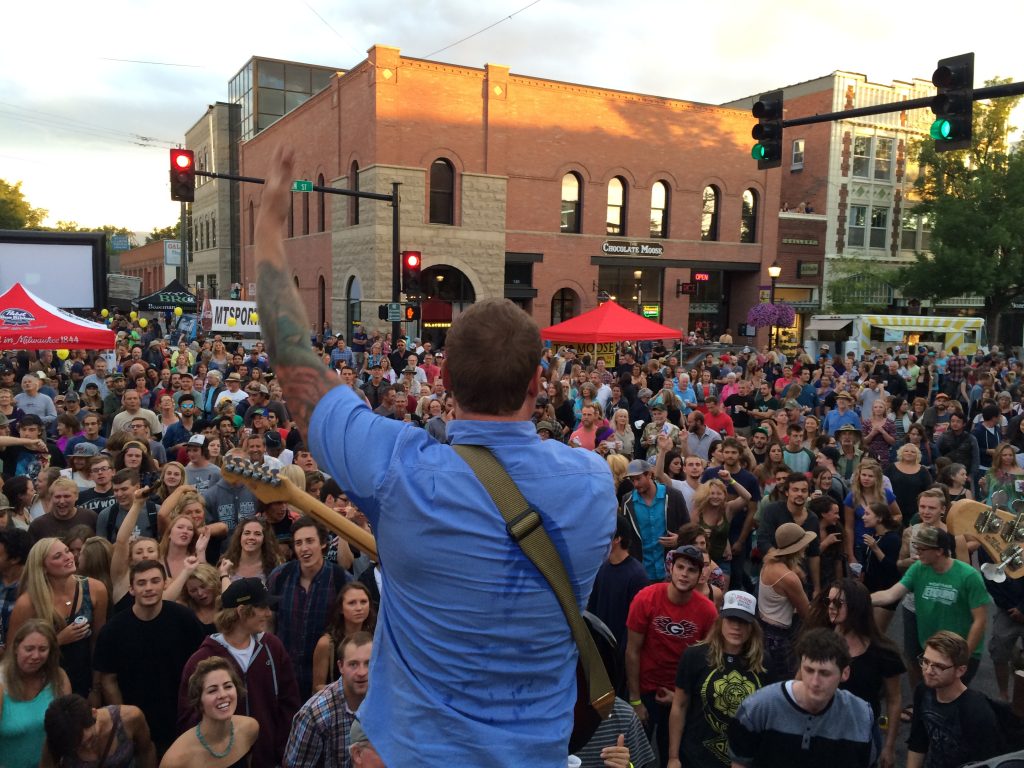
(172, 253)
(651, 310)
(301, 185)
(119, 242)
(395, 312)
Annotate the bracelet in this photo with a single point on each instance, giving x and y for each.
(635, 703)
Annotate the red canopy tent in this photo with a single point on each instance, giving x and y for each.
(28, 322)
(609, 322)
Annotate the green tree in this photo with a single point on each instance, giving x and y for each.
(975, 199)
(15, 211)
(109, 229)
(167, 233)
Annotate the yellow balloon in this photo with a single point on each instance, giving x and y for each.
(177, 311)
(63, 354)
(104, 312)
(133, 315)
(231, 321)
(143, 323)
(255, 317)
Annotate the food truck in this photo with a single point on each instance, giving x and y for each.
(858, 333)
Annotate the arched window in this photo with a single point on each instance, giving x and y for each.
(748, 218)
(617, 206)
(572, 203)
(252, 225)
(296, 279)
(305, 213)
(442, 192)
(659, 209)
(213, 230)
(563, 305)
(353, 202)
(709, 213)
(321, 213)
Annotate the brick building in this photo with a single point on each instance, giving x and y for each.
(147, 262)
(546, 192)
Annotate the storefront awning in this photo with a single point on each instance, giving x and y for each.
(828, 324)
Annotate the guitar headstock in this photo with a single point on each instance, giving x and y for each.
(267, 484)
(998, 529)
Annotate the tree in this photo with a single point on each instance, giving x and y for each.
(15, 211)
(167, 233)
(975, 199)
(109, 229)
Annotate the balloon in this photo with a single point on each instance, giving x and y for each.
(133, 315)
(104, 312)
(143, 323)
(63, 354)
(177, 311)
(255, 317)
(231, 321)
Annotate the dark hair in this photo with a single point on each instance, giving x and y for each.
(205, 667)
(794, 477)
(30, 420)
(823, 645)
(16, 543)
(308, 522)
(358, 639)
(15, 487)
(884, 515)
(145, 565)
(950, 645)
(65, 720)
(126, 475)
(493, 384)
(690, 532)
(623, 531)
(336, 626)
(331, 488)
(732, 442)
(990, 412)
(820, 505)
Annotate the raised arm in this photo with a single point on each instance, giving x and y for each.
(283, 318)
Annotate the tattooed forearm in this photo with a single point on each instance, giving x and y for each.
(283, 320)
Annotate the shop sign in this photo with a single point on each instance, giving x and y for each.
(808, 268)
(650, 310)
(632, 248)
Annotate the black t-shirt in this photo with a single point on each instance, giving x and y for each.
(97, 501)
(48, 525)
(714, 696)
(869, 671)
(961, 731)
(740, 418)
(148, 657)
(614, 589)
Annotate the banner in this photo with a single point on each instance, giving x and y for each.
(243, 312)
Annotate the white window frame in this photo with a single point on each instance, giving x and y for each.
(867, 228)
(798, 154)
(871, 170)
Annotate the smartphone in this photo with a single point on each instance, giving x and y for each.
(667, 429)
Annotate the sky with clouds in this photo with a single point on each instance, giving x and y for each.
(86, 129)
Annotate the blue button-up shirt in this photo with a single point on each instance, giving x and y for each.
(472, 648)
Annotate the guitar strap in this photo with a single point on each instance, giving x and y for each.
(527, 530)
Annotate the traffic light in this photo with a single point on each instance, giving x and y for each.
(768, 131)
(954, 104)
(412, 312)
(411, 263)
(183, 175)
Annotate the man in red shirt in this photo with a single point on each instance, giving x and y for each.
(716, 418)
(585, 435)
(664, 620)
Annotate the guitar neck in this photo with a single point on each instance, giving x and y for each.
(334, 521)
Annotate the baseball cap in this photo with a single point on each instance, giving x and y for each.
(357, 735)
(792, 404)
(272, 439)
(550, 426)
(926, 536)
(637, 467)
(71, 397)
(197, 440)
(687, 552)
(84, 449)
(739, 605)
(248, 591)
(657, 405)
(259, 412)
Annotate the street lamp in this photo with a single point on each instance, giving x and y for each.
(773, 272)
(638, 275)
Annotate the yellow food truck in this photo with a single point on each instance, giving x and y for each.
(859, 333)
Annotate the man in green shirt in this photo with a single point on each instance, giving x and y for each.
(948, 594)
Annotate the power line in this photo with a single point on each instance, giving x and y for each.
(61, 121)
(480, 32)
(326, 23)
(154, 63)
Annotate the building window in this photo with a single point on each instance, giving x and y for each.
(860, 218)
(709, 214)
(916, 232)
(207, 240)
(873, 157)
(291, 215)
(213, 231)
(321, 211)
(748, 217)
(305, 213)
(659, 209)
(798, 154)
(353, 202)
(617, 206)
(442, 192)
(252, 225)
(572, 203)
(563, 305)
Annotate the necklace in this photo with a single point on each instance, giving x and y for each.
(208, 748)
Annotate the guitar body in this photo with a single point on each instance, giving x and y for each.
(586, 717)
(999, 531)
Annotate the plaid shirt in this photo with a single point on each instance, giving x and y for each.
(955, 367)
(302, 614)
(320, 730)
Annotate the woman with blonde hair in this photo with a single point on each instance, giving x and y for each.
(172, 475)
(94, 560)
(74, 606)
(202, 595)
(782, 598)
(619, 465)
(908, 476)
(624, 437)
(1004, 475)
(731, 657)
(866, 487)
(30, 678)
(713, 511)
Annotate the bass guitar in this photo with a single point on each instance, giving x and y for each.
(999, 530)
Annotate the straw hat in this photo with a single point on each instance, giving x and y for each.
(790, 538)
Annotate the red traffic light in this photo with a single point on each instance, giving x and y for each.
(412, 259)
(182, 159)
(183, 175)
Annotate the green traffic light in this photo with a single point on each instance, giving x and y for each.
(941, 129)
(758, 152)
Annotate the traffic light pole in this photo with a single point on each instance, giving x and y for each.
(393, 198)
(991, 92)
(183, 237)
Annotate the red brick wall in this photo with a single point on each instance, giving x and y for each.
(147, 262)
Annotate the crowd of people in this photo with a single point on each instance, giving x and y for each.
(772, 516)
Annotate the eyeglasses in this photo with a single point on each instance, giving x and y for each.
(835, 602)
(929, 664)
